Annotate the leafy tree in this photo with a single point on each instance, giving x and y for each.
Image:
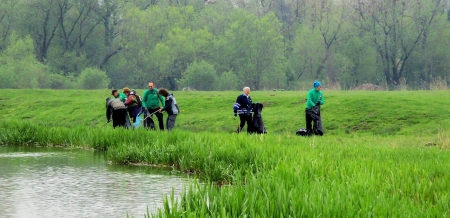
(228, 81)
(200, 76)
(19, 67)
(256, 48)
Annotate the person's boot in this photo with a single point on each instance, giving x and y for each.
(239, 129)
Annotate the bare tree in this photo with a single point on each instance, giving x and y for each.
(329, 18)
(6, 20)
(78, 26)
(395, 28)
(109, 13)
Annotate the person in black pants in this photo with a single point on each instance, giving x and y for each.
(243, 107)
(312, 113)
(118, 111)
(152, 102)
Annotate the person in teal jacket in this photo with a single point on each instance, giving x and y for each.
(314, 98)
(122, 97)
(153, 101)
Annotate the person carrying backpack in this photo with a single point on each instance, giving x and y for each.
(171, 107)
(133, 103)
(153, 101)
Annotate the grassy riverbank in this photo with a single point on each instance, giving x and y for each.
(373, 161)
(380, 113)
(277, 175)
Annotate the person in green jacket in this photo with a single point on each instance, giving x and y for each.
(315, 98)
(121, 96)
(153, 101)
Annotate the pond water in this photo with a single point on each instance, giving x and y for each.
(58, 182)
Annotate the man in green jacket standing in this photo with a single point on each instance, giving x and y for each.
(315, 98)
(153, 101)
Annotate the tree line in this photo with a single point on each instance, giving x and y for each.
(224, 44)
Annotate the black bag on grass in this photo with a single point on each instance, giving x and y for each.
(317, 123)
(257, 122)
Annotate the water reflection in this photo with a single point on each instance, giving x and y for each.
(57, 182)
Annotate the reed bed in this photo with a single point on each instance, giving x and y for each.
(275, 175)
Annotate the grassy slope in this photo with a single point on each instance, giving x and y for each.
(275, 175)
(405, 113)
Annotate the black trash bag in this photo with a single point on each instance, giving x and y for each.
(257, 122)
(302, 132)
(317, 120)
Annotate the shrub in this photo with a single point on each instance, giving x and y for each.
(91, 78)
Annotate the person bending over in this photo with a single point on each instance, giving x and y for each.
(117, 109)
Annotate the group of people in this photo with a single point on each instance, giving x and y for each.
(243, 108)
(126, 107)
(127, 104)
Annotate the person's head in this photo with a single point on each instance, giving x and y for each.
(126, 91)
(246, 90)
(115, 93)
(163, 92)
(151, 85)
(317, 85)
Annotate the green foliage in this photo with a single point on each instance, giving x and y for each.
(62, 82)
(267, 45)
(228, 81)
(19, 67)
(200, 76)
(92, 78)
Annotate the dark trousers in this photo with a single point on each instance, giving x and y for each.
(309, 121)
(170, 122)
(158, 115)
(245, 118)
(119, 117)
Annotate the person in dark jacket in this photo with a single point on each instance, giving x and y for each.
(243, 107)
(171, 107)
(132, 103)
(118, 111)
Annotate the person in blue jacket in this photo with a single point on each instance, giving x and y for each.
(243, 107)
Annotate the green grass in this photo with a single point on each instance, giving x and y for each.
(373, 160)
(381, 113)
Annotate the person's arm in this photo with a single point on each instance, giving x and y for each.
(161, 99)
(322, 99)
(129, 100)
(309, 101)
(167, 104)
(108, 112)
(237, 105)
(144, 98)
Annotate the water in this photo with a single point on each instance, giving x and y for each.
(57, 182)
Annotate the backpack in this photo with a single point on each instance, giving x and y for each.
(138, 100)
